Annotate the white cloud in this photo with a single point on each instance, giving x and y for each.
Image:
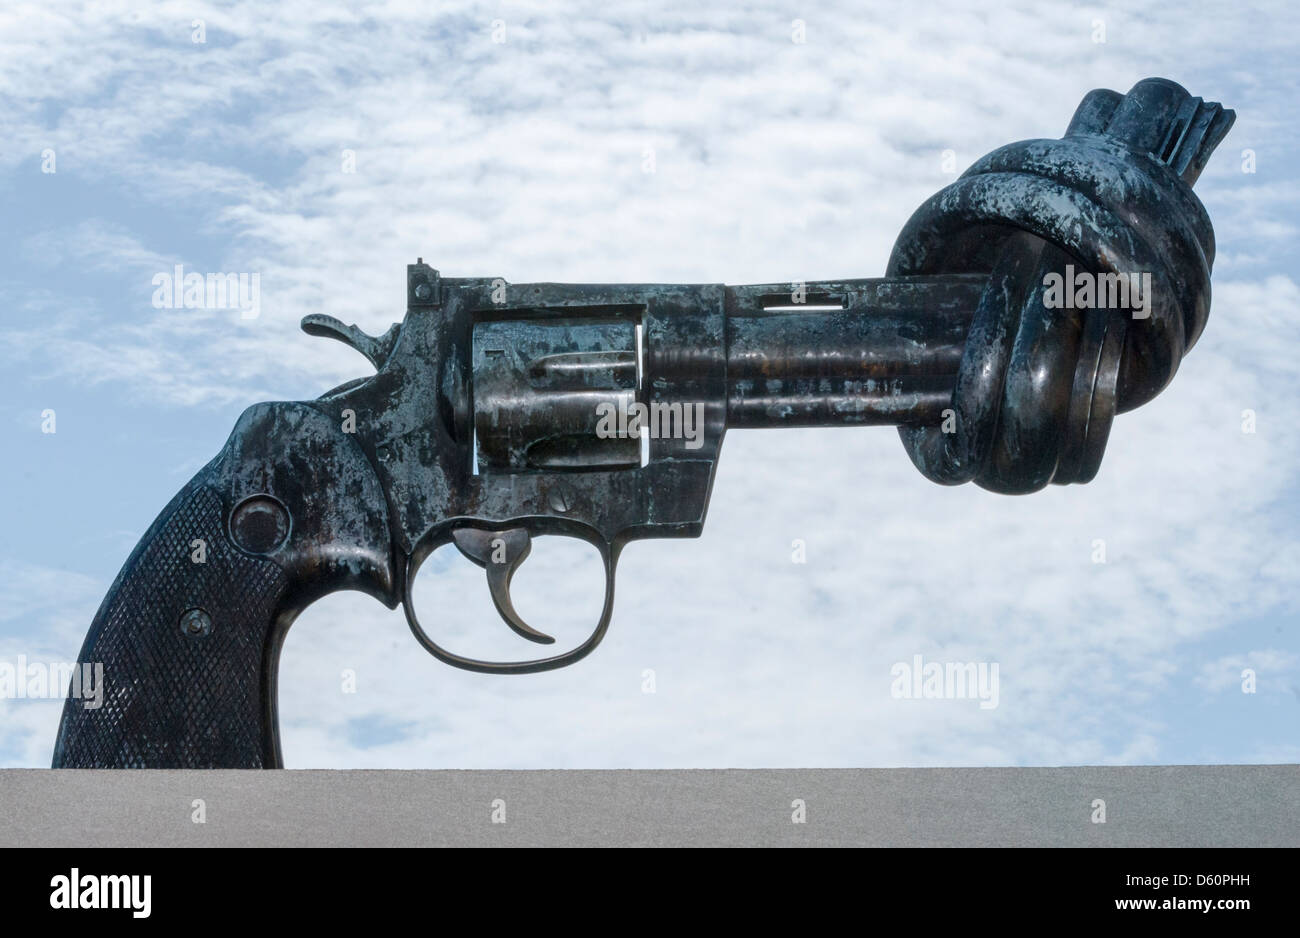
(774, 161)
(1271, 667)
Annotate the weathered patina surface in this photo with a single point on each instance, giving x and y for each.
(488, 421)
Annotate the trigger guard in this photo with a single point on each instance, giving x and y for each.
(609, 558)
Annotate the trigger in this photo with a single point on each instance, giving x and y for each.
(501, 553)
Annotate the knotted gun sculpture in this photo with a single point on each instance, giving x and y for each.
(1053, 285)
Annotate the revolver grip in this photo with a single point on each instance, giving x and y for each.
(189, 635)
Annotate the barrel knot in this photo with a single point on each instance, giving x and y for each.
(1098, 258)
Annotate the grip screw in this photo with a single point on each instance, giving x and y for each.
(259, 524)
(196, 622)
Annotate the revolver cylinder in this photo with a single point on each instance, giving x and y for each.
(549, 394)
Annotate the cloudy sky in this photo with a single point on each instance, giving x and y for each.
(504, 139)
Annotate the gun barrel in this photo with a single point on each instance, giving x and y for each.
(857, 352)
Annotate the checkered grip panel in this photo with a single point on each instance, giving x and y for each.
(174, 700)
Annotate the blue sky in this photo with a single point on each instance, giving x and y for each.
(773, 160)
